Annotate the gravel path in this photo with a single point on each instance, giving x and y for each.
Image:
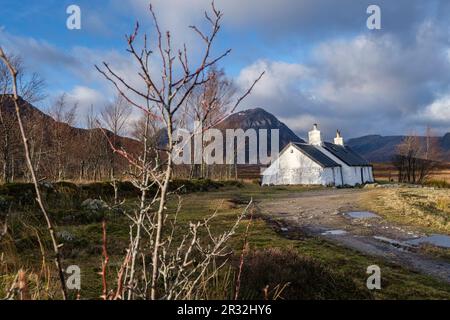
(323, 213)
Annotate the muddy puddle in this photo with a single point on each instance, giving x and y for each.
(334, 232)
(438, 240)
(362, 215)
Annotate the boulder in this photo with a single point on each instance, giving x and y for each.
(94, 205)
(65, 236)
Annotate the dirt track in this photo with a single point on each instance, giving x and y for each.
(316, 212)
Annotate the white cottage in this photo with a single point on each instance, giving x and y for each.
(318, 163)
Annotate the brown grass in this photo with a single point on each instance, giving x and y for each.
(387, 172)
(426, 208)
(285, 273)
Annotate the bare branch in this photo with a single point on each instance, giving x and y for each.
(50, 226)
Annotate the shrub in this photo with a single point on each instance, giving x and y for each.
(5, 203)
(105, 190)
(69, 195)
(442, 184)
(234, 183)
(22, 194)
(305, 278)
(199, 185)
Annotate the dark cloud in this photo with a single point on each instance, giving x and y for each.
(37, 52)
(304, 19)
(390, 81)
(366, 84)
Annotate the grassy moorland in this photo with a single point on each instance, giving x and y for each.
(425, 208)
(387, 172)
(274, 267)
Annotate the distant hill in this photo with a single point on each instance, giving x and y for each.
(81, 153)
(377, 148)
(82, 145)
(374, 148)
(257, 119)
(445, 142)
(30, 114)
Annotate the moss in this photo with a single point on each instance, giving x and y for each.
(105, 190)
(78, 217)
(22, 194)
(200, 185)
(6, 202)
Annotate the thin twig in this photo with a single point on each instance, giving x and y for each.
(104, 262)
(39, 200)
(243, 252)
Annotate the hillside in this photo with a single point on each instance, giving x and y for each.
(87, 152)
(58, 149)
(257, 119)
(377, 148)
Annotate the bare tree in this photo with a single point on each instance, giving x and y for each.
(432, 154)
(151, 135)
(14, 76)
(114, 117)
(31, 87)
(162, 100)
(94, 148)
(207, 105)
(417, 157)
(64, 116)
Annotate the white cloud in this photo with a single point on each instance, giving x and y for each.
(281, 88)
(437, 112)
(365, 84)
(280, 79)
(85, 97)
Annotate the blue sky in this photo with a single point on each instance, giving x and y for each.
(322, 63)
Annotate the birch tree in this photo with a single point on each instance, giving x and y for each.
(114, 117)
(14, 73)
(208, 105)
(416, 157)
(162, 93)
(31, 88)
(64, 116)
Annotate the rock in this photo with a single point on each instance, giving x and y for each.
(389, 186)
(47, 185)
(65, 236)
(94, 205)
(371, 185)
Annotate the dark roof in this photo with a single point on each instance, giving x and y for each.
(316, 155)
(346, 154)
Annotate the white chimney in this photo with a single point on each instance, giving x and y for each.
(315, 137)
(339, 140)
